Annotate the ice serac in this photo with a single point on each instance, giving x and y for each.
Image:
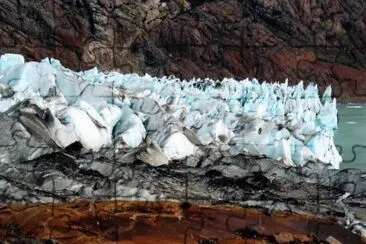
(164, 119)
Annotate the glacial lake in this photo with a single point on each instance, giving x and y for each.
(350, 137)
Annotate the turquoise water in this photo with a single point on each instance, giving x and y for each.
(351, 135)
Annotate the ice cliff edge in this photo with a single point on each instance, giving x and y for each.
(158, 120)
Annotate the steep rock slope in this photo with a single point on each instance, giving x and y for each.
(271, 40)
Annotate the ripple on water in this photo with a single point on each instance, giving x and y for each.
(354, 106)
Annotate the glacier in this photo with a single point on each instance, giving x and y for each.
(160, 120)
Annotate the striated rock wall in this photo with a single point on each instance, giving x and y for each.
(322, 41)
(249, 182)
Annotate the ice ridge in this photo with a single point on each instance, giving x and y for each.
(168, 118)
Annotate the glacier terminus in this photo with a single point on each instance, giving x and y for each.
(46, 107)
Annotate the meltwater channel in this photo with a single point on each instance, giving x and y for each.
(350, 137)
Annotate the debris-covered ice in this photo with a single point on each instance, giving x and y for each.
(164, 118)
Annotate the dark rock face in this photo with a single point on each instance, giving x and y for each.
(322, 41)
(305, 200)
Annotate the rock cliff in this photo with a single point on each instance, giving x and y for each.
(320, 41)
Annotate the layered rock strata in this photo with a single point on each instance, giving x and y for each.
(249, 182)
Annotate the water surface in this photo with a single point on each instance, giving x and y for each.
(351, 135)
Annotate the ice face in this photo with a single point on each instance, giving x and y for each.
(168, 118)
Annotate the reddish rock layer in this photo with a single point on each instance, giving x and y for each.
(163, 222)
(322, 41)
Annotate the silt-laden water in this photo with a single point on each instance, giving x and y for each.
(350, 137)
